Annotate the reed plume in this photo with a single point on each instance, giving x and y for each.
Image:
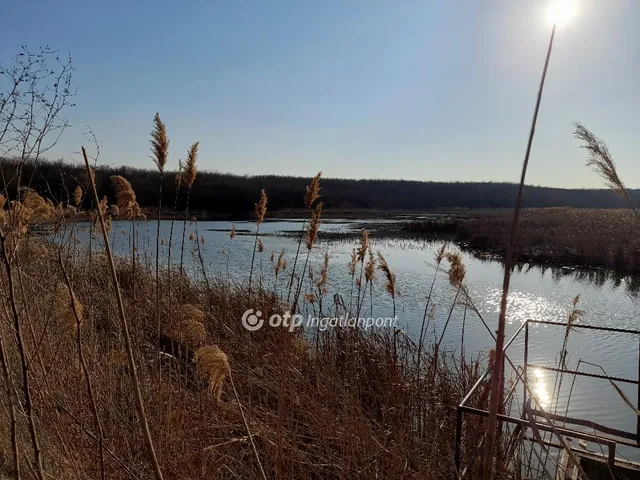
(127, 206)
(370, 268)
(353, 262)
(213, 367)
(191, 332)
(77, 195)
(125, 197)
(159, 143)
(280, 263)
(601, 162)
(313, 191)
(190, 167)
(457, 270)
(311, 195)
(260, 209)
(192, 313)
(390, 284)
(102, 210)
(361, 254)
(314, 227)
(34, 208)
(364, 245)
(369, 276)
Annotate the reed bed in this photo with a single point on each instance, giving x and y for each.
(341, 408)
(555, 236)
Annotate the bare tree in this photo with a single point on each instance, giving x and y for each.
(35, 89)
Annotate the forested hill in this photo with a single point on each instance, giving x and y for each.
(234, 195)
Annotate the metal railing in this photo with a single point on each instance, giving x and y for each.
(610, 438)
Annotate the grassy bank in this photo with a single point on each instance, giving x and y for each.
(557, 236)
(228, 403)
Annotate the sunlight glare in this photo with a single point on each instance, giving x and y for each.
(561, 12)
(540, 389)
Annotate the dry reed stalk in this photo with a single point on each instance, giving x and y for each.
(142, 417)
(497, 388)
(352, 271)
(311, 195)
(232, 235)
(26, 387)
(76, 308)
(127, 205)
(160, 154)
(310, 239)
(370, 275)
(178, 184)
(321, 285)
(189, 177)
(9, 387)
(259, 211)
(246, 425)
(440, 253)
(361, 253)
(280, 265)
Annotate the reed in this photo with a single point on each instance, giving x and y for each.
(310, 239)
(601, 162)
(312, 194)
(125, 333)
(188, 177)
(159, 155)
(260, 211)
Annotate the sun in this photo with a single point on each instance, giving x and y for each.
(561, 12)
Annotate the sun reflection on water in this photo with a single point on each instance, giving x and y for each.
(540, 389)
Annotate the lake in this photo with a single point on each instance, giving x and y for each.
(536, 293)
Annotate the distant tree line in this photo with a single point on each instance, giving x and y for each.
(228, 195)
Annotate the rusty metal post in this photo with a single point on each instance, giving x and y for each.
(458, 452)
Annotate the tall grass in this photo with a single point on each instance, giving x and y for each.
(160, 156)
(229, 403)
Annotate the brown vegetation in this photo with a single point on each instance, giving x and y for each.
(559, 236)
(345, 408)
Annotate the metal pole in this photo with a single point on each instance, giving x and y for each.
(525, 378)
(496, 387)
(458, 452)
(638, 416)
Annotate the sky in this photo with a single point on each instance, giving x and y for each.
(420, 90)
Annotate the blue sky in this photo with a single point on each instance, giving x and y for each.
(424, 90)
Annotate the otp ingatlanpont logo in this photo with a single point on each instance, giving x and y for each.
(252, 321)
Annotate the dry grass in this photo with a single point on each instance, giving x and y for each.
(340, 410)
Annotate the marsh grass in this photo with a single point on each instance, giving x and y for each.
(560, 236)
(228, 403)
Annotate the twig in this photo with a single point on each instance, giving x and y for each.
(125, 333)
(246, 426)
